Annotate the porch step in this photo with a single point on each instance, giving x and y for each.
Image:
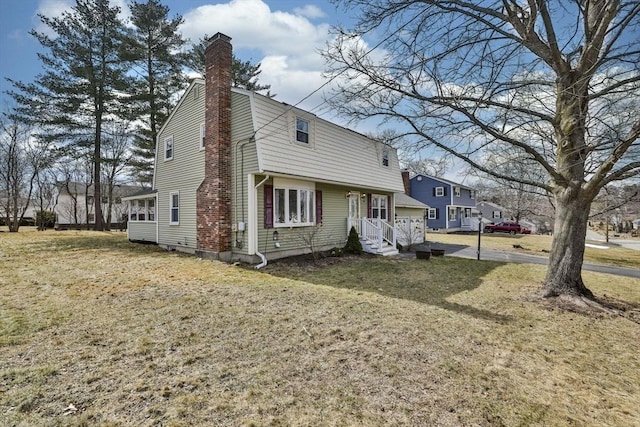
(372, 248)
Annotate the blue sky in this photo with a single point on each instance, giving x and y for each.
(284, 35)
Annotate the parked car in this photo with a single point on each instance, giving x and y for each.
(506, 227)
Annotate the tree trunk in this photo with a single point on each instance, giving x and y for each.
(567, 250)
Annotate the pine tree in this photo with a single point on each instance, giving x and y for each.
(244, 74)
(153, 46)
(83, 83)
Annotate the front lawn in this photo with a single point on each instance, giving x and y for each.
(98, 331)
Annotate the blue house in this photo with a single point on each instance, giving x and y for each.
(451, 205)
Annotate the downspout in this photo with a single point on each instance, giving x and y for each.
(262, 257)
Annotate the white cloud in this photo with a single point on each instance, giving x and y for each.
(310, 11)
(55, 8)
(287, 43)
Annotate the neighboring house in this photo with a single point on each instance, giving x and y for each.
(29, 206)
(451, 205)
(241, 176)
(410, 219)
(495, 213)
(491, 211)
(74, 205)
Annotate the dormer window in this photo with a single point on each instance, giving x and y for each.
(302, 131)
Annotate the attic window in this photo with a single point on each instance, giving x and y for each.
(302, 131)
(385, 157)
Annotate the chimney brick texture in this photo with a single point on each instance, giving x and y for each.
(406, 182)
(213, 204)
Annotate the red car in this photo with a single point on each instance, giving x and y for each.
(506, 227)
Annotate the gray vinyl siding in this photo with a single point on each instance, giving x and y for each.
(144, 231)
(182, 174)
(333, 154)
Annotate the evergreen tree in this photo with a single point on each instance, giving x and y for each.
(83, 83)
(244, 74)
(153, 47)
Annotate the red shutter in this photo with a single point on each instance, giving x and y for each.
(318, 207)
(268, 206)
(389, 208)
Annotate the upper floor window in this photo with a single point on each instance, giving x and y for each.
(202, 133)
(456, 191)
(168, 148)
(472, 194)
(302, 130)
(439, 191)
(385, 157)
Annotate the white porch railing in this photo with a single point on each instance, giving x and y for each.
(374, 230)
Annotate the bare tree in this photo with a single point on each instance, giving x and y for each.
(559, 82)
(22, 162)
(115, 156)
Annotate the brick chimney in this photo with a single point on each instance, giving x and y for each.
(213, 206)
(406, 182)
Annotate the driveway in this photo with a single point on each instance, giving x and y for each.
(463, 251)
(625, 243)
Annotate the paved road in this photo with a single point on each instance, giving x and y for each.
(463, 251)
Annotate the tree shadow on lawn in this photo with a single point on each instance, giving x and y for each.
(429, 282)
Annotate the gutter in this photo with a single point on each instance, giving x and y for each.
(255, 228)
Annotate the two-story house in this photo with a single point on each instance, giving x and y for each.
(241, 176)
(74, 205)
(451, 205)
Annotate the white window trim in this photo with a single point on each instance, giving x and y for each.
(472, 194)
(439, 191)
(171, 207)
(141, 205)
(453, 217)
(202, 135)
(293, 120)
(385, 157)
(291, 184)
(457, 191)
(168, 140)
(432, 213)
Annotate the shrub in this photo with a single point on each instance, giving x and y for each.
(353, 245)
(45, 219)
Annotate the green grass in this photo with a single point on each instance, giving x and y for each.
(132, 335)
